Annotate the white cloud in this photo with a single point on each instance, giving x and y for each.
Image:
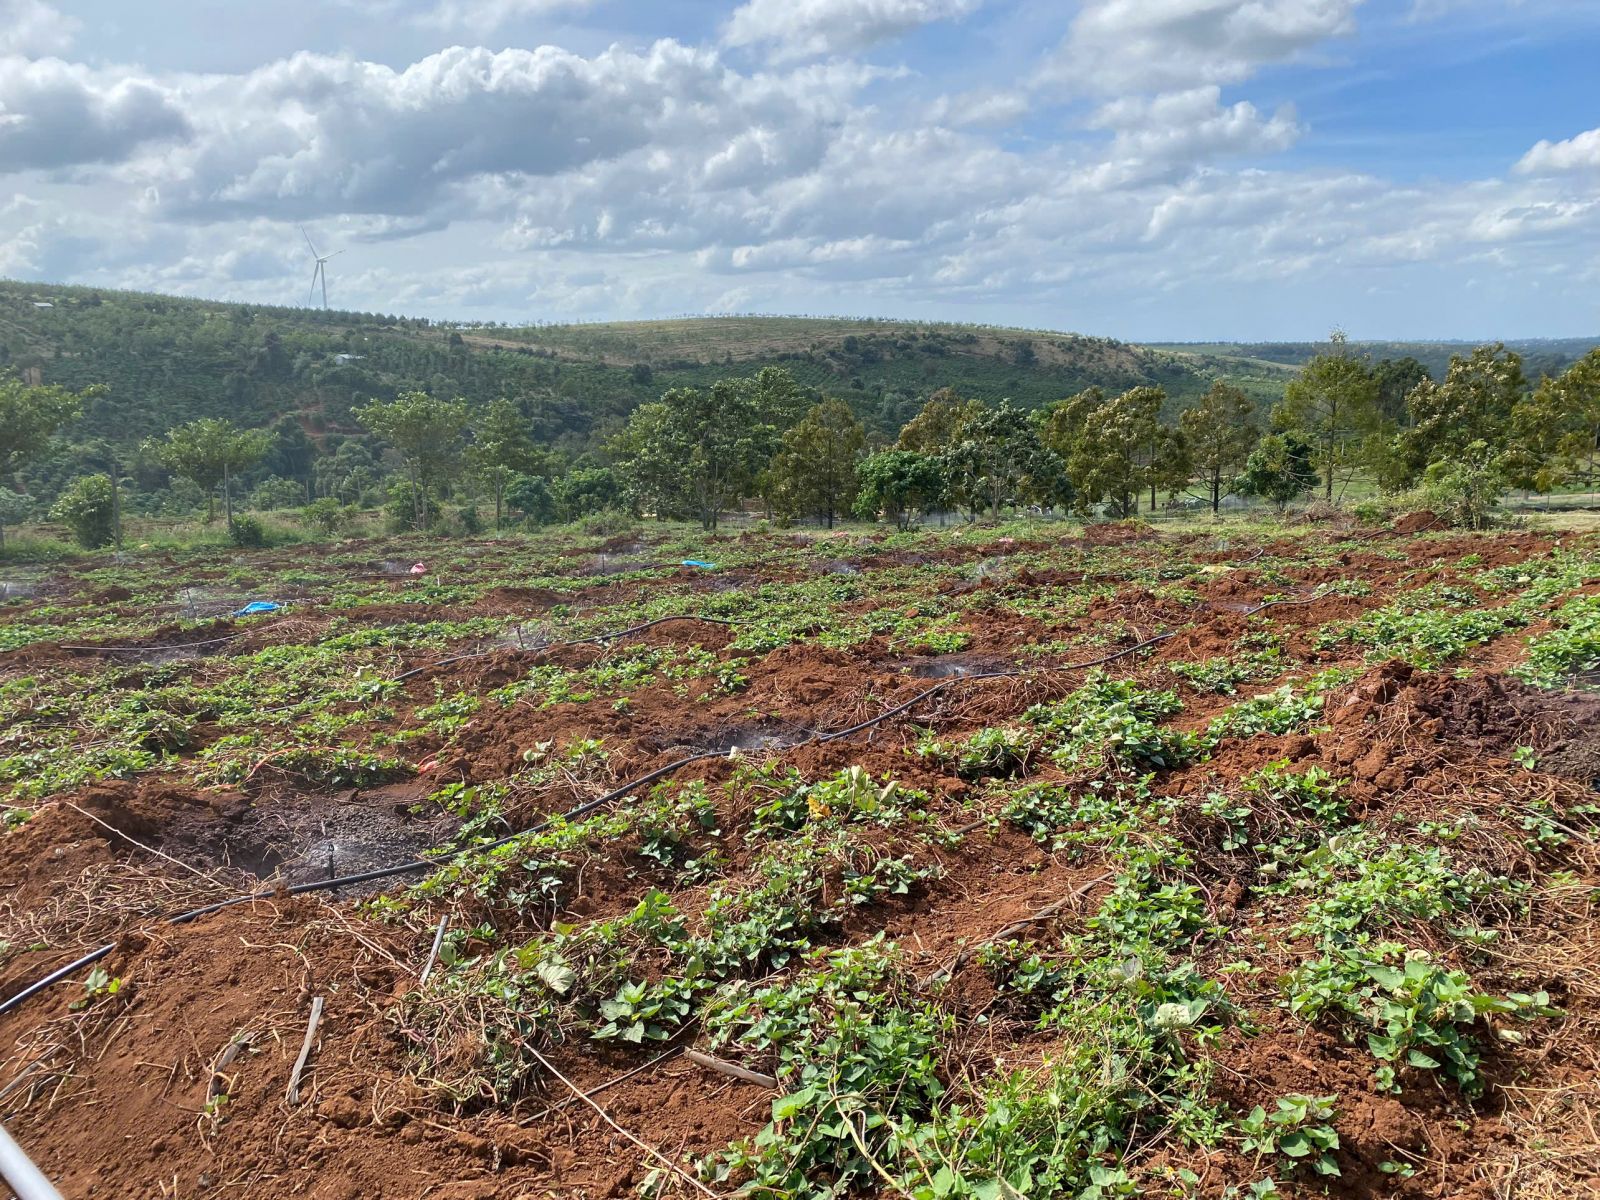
(32, 27)
(55, 114)
(316, 135)
(1118, 46)
(1192, 127)
(664, 178)
(805, 28)
(1573, 154)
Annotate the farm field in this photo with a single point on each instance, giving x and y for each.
(1234, 861)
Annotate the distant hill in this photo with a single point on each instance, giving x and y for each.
(1540, 356)
(169, 360)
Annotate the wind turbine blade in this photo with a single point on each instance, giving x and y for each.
(307, 237)
(312, 294)
(335, 254)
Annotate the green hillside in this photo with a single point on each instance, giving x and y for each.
(167, 360)
(1540, 356)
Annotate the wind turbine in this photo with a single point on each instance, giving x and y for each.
(320, 271)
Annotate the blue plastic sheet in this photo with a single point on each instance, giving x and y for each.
(256, 606)
(695, 562)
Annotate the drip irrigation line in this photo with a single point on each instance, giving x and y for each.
(599, 637)
(588, 806)
(149, 649)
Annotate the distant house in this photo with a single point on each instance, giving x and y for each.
(43, 304)
(348, 358)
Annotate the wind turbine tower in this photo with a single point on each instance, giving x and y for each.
(319, 273)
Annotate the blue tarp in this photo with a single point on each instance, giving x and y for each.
(256, 606)
(695, 562)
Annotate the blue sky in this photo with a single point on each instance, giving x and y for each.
(1142, 169)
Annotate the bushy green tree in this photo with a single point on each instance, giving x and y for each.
(86, 508)
(938, 424)
(898, 484)
(997, 460)
(209, 452)
(1396, 377)
(29, 418)
(1555, 435)
(274, 492)
(1279, 469)
(1474, 403)
(652, 463)
(1114, 449)
(502, 448)
(530, 495)
(326, 515)
(815, 470)
(14, 509)
(699, 449)
(348, 473)
(586, 491)
(426, 433)
(1333, 406)
(1221, 431)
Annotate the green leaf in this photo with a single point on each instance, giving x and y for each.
(787, 1106)
(1295, 1145)
(1387, 978)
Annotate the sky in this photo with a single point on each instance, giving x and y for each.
(1153, 170)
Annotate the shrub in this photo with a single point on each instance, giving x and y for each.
(247, 533)
(1465, 490)
(326, 515)
(610, 523)
(400, 513)
(86, 509)
(276, 492)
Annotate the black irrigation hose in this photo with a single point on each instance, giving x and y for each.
(599, 637)
(149, 649)
(588, 806)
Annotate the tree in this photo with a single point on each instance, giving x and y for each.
(502, 449)
(1555, 436)
(1279, 469)
(86, 509)
(29, 418)
(208, 452)
(1114, 449)
(292, 455)
(14, 509)
(652, 462)
(530, 495)
(1475, 402)
(995, 460)
(584, 492)
(1465, 487)
(326, 515)
(897, 484)
(347, 473)
(1333, 405)
(424, 431)
(816, 469)
(1396, 377)
(1221, 432)
(939, 423)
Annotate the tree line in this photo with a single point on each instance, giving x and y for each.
(765, 442)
